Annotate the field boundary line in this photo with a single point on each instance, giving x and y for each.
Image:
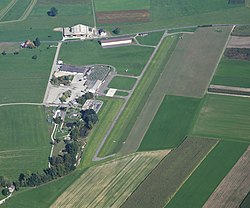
(28, 10)
(93, 11)
(226, 94)
(217, 64)
(169, 199)
(24, 15)
(6, 9)
(10, 104)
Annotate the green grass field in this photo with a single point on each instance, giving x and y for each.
(121, 93)
(117, 5)
(23, 78)
(116, 180)
(224, 117)
(151, 39)
(39, 24)
(171, 123)
(24, 140)
(122, 83)
(234, 73)
(205, 179)
(106, 116)
(17, 10)
(139, 97)
(90, 52)
(42, 196)
(192, 75)
(4, 3)
(170, 174)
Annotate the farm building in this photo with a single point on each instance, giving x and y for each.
(95, 87)
(78, 31)
(116, 42)
(74, 69)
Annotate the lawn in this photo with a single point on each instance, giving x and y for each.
(139, 97)
(121, 93)
(224, 117)
(17, 10)
(90, 52)
(171, 123)
(170, 174)
(116, 180)
(201, 184)
(122, 83)
(234, 73)
(152, 38)
(199, 54)
(69, 14)
(42, 196)
(25, 79)
(25, 141)
(117, 5)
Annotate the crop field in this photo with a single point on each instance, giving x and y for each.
(201, 184)
(139, 97)
(121, 93)
(171, 123)
(246, 202)
(234, 73)
(90, 52)
(4, 3)
(122, 83)
(116, 181)
(69, 14)
(170, 174)
(234, 187)
(224, 117)
(247, 2)
(152, 38)
(17, 10)
(118, 5)
(191, 76)
(5, 6)
(23, 78)
(24, 140)
(241, 30)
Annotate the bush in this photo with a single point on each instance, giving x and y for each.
(34, 57)
(4, 53)
(52, 12)
(116, 31)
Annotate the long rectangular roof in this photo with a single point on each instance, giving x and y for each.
(77, 69)
(116, 39)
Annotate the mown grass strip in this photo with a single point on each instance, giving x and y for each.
(208, 175)
(139, 97)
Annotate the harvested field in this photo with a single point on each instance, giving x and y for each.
(238, 42)
(170, 174)
(238, 53)
(204, 180)
(199, 54)
(116, 181)
(234, 187)
(123, 16)
(225, 117)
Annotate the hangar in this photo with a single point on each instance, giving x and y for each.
(116, 42)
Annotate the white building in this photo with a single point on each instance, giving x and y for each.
(78, 31)
(96, 86)
(116, 42)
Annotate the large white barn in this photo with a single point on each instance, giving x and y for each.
(78, 31)
(116, 42)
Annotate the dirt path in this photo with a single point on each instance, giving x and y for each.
(234, 187)
(5, 10)
(10, 104)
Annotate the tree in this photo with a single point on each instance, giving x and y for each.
(34, 57)
(116, 31)
(4, 53)
(72, 148)
(5, 192)
(37, 42)
(52, 12)
(58, 120)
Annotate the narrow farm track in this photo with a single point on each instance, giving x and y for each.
(109, 185)
(10, 104)
(4, 11)
(24, 15)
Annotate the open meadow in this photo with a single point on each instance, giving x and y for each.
(201, 184)
(199, 54)
(224, 117)
(170, 174)
(25, 141)
(25, 79)
(91, 52)
(171, 123)
(122, 83)
(139, 97)
(116, 180)
(234, 73)
(151, 38)
(39, 24)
